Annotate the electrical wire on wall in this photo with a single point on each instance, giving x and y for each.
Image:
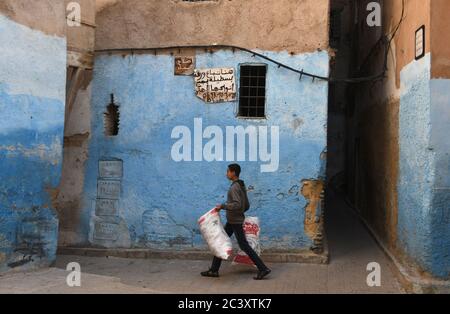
(386, 39)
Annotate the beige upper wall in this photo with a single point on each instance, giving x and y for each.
(102, 4)
(47, 16)
(82, 38)
(376, 120)
(292, 25)
(417, 13)
(440, 39)
(434, 15)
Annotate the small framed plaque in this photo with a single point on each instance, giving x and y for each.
(420, 42)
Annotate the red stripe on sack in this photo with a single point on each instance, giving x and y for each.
(250, 228)
(241, 259)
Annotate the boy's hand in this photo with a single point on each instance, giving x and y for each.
(219, 207)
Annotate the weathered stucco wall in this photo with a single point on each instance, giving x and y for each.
(81, 44)
(376, 119)
(293, 26)
(424, 222)
(440, 121)
(439, 144)
(160, 200)
(399, 187)
(32, 92)
(44, 15)
(417, 168)
(153, 102)
(440, 28)
(82, 38)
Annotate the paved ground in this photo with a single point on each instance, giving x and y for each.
(350, 246)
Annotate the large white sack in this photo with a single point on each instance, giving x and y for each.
(252, 230)
(218, 241)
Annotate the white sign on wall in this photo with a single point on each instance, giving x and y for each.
(215, 85)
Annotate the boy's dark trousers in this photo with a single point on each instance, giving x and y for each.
(238, 231)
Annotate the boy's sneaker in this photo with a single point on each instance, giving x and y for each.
(262, 274)
(210, 273)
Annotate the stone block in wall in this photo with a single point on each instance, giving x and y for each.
(108, 229)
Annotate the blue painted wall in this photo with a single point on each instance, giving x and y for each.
(440, 209)
(160, 199)
(32, 99)
(423, 192)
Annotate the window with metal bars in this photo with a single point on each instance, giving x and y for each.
(252, 91)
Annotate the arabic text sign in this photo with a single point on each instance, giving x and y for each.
(184, 65)
(215, 85)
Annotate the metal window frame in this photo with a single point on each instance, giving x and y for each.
(238, 113)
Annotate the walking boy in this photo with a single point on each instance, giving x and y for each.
(237, 204)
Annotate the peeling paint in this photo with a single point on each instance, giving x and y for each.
(32, 96)
(51, 154)
(76, 140)
(297, 123)
(312, 191)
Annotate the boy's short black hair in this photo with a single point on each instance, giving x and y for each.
(236, 169)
